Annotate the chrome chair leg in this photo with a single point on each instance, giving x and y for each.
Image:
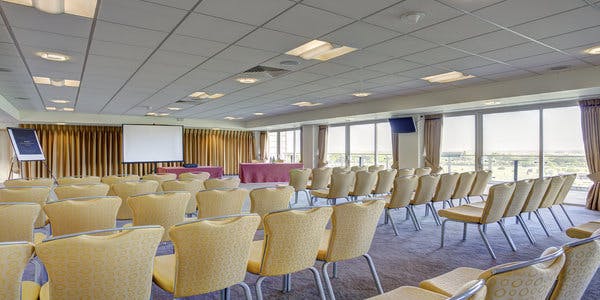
(225, 294)
(443, 233)
(247, 290)
(413, 218)
(468, 200)
(335, 270)
(555, 219)
(388, 216)
(259, 295)
(296, 197)
(464, 231)
(412, 210)
(287, 283)
(327, 280)
(374, 272)
(434, 214)
(486, 241)
(539, 217)
(311, 201)
(426, 210)
(566, 214)
(318, 281)
(507, 236)
(526, 229)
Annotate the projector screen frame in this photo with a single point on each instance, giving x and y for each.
(148, 162)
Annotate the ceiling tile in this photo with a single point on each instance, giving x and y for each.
(336, 81)
(513, 12)
(140, 14)
(244, 54)
(111, 32)
(538, 60)
(516, 52)
(509, 75)
(255, 12)
(359, 35)
(576, 19)
(464, 63)
(490, 69)
(176, 59)
(454, 30)
(361, 58)
(191, 45)
(303, 77)
(181, 4)
(422, 72)
(571, 64)
(575, 38)
(275, 62)
(470, 5)
(50, 41)
(327, 68)
(271, 40)
(20, 16)
(214, 29)
(307, 21)
(394, 66)
(351, 8)
(401, 46)
(491, 41)
(118, 50)
(361, 74)
(433, 56)
(227, 66)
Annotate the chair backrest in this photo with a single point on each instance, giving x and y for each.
(215, 203)
(519, 196)
(222, 183)
(160, 177)
(266, 200)
(565, 188)
(292, 239)
(112, 179)
(120, 264)
(481, 181)
(353, 226)
(365, 181)
(29, 182)
(464, 185)
(497, 201)
(35, 194)
(320, 178)
(341, 184)
(422, 171)
(219, 246)
(425, 188)
(405, 172)
(299, 178)
(551, 194)
(512, 278)
(446, 186)
(78, 180)
(82, 214)
(198, 176)
(582, 262)
(385, 181)
(15, 257)
(192, 186)
(81, 190)
(376, 168)
(129, 188)
(359, 168)
(472, 290)
(16, 221)
(538, 191)
(336, 170)
(163, 208)
(404, 188)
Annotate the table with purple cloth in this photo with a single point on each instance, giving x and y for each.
(265, 172)
(215, 172)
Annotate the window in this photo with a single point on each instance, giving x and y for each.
(384, 144)
(362, 145)
(336, 146)
(458, 144)
(366, 145)
(285, 145)
(273, 144)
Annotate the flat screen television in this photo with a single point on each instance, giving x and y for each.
(402, 125)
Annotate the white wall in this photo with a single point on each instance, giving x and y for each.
(310, 145)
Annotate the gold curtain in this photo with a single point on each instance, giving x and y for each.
(432, 141)
(97, 150)
(590, 127)
(322, 145)
(263, 140)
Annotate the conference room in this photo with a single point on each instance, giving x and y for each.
(300, 149)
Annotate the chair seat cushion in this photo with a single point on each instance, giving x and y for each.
(584, 230)
(322, 254)
(451, 283)
(44, 292)
(163, 273)
(38, 237)
(320, 193)
(29, 290)
(462, 213)
(477, 204)
(255, 259)
(409, 292)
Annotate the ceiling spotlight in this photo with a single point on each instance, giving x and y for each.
(174, 108)
(594, 50)
(447, 77)
(68, 109)
(233, 118)
(306, 104)
(258, 114)
(361, 94)
(246, 80)
(412, 17)
(492, 102)
(151, 114)
(60, 101)
(73, 7)
(50, 108)
(204, 95)
(163, 114)
(55, 82)
(53, 56)
(319, 50)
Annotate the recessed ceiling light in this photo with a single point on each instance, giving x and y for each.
(361, 94)
(233, 118)
(258, 114)
(319, 50)
(246, 80)
(55, 82)
(306, 104)
(60, 123)
(150, 114)
(174, 108)
(53, 56)
(163, 114)
(492, 102)
(50, 108)
(204, 95)
(447, 77)
(59, 101)
(594, 50)
(412, 17)
(68, 109)
(72, 7)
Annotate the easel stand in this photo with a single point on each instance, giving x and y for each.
(11, 173)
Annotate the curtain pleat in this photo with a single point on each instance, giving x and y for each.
(590, 127)
(263, 141)
(432, 141)
(322, 145)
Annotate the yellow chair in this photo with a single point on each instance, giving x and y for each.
(129, 188)
(564, 191)
(495, 206)
(359, 168)
(376, 169)
(16, 221)
(78, 180)
(291, 242)
(75, 215)
(472, 290)
(352, 229)
(160, 177)
(202, 176)
(422, 171)
(162, 208)
(425, 190)
(445, 189)
(341, 184)
(337, 170)
(222, 183)
(482, 178)
(299, 181)
(584, 230)
(89, 266)
(48, 182)
(534, 199)
(320, 178)
(35, 194)
(219, 247)
(526, 280)
(113, 179)
(551, 195)
(401, 197)
(192, 186)
(385, 182)
(267, 200)
(405, 172)
(215, 203)
(363, 185)
(463, 187)
(15, 257)
(81, 190)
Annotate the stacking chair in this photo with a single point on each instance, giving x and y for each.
(78, 180)
(81, 190)
(215, 203)
(48, 182)
(114, 179)
(376, 168)
(472, 290)
(35, 194)
(584, 230)
(87, 266)
(385, 182)
(291, 243)
(422, 171)
(463, 187)
(16, 222)
(482, 178)
(337, 170)
(219, 247)
(129, 188)
(202, 176)
(493, 211)
(405, 172)
(423, 195)
(352, 229)
(192, 186)
(401, 197)
(531, 279)
(341, 184)
(15, 257)
(75, 215)
(320, 178)
(363, 186)
(564, 191)
(550, 196)
(534, 199)
(162, 208)
(160, 177)
(267, 200)
(222, 183)
(299, 181)
(445, 189)
(359, 168)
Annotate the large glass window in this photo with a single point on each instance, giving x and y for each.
(336, 146)
(458, 144)
(285, 145)
(362, 145)
(273, 144)
(384, 145)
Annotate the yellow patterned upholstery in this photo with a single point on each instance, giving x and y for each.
(320, 178)
(446, 187)
(340, 186)
(129, 188)
(160, 177)
(29, 290)
(493, 210)
(565, 188)
(202, 176)
(405, 172)
(376, 169)
(551, 194)
(356, 169)
(15, 257)
(218, 247)
(411, 292)
(337, 170)
(299, 179)
(81, 190)
(116, 266)
(78, 180)
(464, 185)
(82, 214)
(584, 230)
(482, 178)
(422, 171)
(291, 241)
(16, 221)
(165, 209)
(425, 189)
(519, 196)
(222, 183)
(34, 194)
(536, 195)
(29, 182)
(215, 203)
(403, 189)
(112, 179)
(192, 186)
(463, 213)
(385, 181)
(266, 200)
(364, 184)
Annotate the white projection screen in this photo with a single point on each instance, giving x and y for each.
(152, 143)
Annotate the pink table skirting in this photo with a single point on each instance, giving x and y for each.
(215, 172)
(260, 172)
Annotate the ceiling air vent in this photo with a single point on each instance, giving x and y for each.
(6, 70)
(264, 72)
